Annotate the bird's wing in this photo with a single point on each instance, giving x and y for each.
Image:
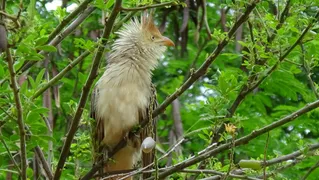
(97, 129)
(149, 130)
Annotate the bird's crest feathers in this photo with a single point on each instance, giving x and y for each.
(148, 23)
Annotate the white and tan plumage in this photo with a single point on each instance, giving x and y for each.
(122, 96)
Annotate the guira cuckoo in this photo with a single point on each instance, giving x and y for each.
(124, 95)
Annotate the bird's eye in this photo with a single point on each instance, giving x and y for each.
(153, 38)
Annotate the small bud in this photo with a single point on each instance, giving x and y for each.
(148, 145)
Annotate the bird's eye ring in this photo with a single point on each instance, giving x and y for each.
(153, 38)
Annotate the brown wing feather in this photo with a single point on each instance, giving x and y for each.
(149, 130)
(97, 130)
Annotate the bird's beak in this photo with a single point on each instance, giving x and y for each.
(167, 42)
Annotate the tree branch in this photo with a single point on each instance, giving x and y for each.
(291, 155)
(68, 19)
(60, 75)
(16, 94)
(58, 39)
(243, 140)
(308, 73)
(86, 89)
(208, 171)
(246, 90)
(150, 6)
(211, 58)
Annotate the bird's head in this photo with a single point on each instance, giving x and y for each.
(142, 38)
(151, 35)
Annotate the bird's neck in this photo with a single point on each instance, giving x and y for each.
(131, 65)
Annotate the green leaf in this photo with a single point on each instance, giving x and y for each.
(47, 48)
(39, 77)
(41, 41)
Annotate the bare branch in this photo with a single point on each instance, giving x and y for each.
(15, 89)
(150, 6)
(177, 119)
(13, 18)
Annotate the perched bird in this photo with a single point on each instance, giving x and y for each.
(124, 96)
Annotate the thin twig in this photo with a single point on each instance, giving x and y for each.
(15, 89)
(209, 171)
(209, 32)
(265, 155)
(68, 19)
(114, 174)
(86, 13)
(13, 18)
(9, 153)
(231, 157)
(86, 89)
(150, 6)
(308, 73)
(38, 150)
(315, 166)
(246, 90)
(60, 75)
(58, 39)
(292, 155)
(289, 165)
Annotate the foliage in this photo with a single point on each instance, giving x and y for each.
(268, 70)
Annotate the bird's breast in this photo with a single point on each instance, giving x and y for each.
(119, 103)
